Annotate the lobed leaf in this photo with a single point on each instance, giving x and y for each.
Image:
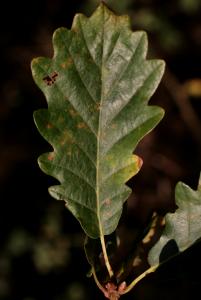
(97, 87)
(182, 229)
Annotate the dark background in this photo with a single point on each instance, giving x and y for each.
(41, 244)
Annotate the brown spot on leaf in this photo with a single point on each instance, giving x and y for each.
(114, 125)
(139, 162)
(67, 138)
(50, 156)
(49, 126)
(50, 79)
(81, 125)
(107, 202)
(73, 112)
(67, 63)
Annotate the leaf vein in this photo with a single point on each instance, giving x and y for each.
(86, 44)
(123, 136)
(85, 86)
(130, 99)
(112, 197)
(124, 71)
(74, 63)
(71, 171)
(81, 204)
(77, 144)
(114, 46)
(116, 172)
(64, 96)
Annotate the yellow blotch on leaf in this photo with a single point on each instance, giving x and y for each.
(67, 63)
(67, 138)
(73, 112)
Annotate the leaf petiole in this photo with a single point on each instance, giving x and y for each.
(107, 263)
(97, 281)
(139, 278)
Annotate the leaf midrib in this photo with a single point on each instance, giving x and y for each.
(99, 135)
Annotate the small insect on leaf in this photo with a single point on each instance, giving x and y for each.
(49, 80)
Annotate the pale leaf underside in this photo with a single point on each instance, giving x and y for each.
(182, 227)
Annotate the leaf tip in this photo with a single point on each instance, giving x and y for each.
(103, 8)
(55, 192)
(36, 61)
(57, 33)
(102, 4)
(59, 30)
(162, 112)
(162, 65)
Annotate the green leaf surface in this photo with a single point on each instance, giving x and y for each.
(182, 228)
(97, 87)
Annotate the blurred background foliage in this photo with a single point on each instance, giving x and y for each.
(41, 245)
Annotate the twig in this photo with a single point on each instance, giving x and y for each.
(139, 278)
